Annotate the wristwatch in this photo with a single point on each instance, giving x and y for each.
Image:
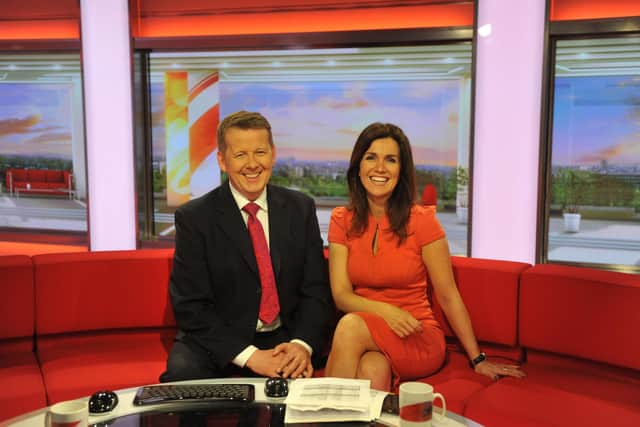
(477, 360)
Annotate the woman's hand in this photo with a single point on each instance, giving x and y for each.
(495, 371)
(401, 321)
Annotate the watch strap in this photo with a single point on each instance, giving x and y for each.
(477, 360)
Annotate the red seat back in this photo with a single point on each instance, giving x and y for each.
(88, 291)
(581, 312)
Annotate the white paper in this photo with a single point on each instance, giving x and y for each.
(332, 399)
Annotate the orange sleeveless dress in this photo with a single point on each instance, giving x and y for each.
(395, 275)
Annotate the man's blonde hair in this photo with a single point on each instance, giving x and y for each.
(242, 120)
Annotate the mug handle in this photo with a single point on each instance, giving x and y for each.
(443, 414)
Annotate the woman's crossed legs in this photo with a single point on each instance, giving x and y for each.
(354, 354)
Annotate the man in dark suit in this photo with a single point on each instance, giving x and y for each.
(218, 279)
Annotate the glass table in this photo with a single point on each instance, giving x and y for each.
(264, 412)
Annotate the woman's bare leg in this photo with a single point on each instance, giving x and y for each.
(351, 340)
(374, 366)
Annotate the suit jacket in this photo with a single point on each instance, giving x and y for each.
(215, 286)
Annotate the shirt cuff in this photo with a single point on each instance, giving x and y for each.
(304, 344)
(242, 358)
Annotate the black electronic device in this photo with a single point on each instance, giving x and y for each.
(102, 401)
(166, 393)
(391, 404)
(276, 387)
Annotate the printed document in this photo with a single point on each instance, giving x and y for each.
(332, 399)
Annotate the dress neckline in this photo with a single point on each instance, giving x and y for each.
(383, 221)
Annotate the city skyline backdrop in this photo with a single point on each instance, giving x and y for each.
(596, 118)
(36, 119)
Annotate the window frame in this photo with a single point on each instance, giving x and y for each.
(143, 47)
(560, 31)
(33, 235)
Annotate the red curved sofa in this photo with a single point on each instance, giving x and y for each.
(73, 323)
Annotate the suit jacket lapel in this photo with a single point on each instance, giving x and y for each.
(278, 227)
(233, 225)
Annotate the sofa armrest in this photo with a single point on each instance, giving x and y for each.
(68, 180)
(9, 181)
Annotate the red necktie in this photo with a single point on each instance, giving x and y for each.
(269, 305)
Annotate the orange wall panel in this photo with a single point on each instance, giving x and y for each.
(40, 30)
(566, 10)
(425, 16)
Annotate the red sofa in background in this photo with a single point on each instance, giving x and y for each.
(52, 182)
(103, 320)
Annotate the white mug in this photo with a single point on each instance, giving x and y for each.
(73, 413)
(416, 404)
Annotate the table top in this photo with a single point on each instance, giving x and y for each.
(126, 408)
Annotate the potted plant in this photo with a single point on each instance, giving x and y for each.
(462, 212)
(571, 219)
(462, 194)
(570, 215)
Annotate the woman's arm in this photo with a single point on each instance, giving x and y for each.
(399, 320)
(437, 259)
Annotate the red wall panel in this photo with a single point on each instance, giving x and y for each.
(39, 19)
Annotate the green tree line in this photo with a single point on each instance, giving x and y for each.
(571, 188)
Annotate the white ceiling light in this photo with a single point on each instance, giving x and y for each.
(485, 30)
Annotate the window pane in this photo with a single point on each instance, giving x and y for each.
(317, 101)
(595, 180)
(42, 161)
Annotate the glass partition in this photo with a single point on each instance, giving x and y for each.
(594, 199)
(42, 160)
(318, 101)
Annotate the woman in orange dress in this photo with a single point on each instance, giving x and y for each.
(380, 249)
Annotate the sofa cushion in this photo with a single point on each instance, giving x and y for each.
(54, 176)
(490, 291)
(456, 381)
(102, 290)
(53, 186)
(18, 175)
(77, 365)
(581, 312)
(560, 391)
(16, 305)
(21, 386)
(36, 175)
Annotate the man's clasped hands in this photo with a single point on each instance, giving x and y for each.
(286, 360)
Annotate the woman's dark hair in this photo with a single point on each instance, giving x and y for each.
(402, 198)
